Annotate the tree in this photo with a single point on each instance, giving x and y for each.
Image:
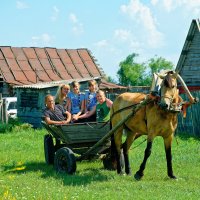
(158, 63)
(140, 74)
(130, 72)
(110, 79)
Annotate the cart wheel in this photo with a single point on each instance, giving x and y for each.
(49, 150)
(110, 163)
(65, 161)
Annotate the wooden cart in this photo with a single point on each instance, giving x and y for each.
(66, 144)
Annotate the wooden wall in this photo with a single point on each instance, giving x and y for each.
(190, 71)
(30, 104)
(190, 124)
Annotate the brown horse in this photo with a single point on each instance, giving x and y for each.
(158, 118)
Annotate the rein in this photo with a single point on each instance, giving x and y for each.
(122, 109)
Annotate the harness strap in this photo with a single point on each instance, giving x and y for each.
(122, 109)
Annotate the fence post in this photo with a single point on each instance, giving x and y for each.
(1, 108)
(5, 115)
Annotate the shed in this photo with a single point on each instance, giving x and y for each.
(188, 67)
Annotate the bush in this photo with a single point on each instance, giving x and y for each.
(15, 124)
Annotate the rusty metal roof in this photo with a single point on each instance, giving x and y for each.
(54, 83)
(107, 85)
(30, 65)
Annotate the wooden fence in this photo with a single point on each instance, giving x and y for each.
(190, 124)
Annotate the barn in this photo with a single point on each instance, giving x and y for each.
(188, 67)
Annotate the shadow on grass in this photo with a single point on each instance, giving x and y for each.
(87, 176)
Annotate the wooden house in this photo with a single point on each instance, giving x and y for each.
(188, 67)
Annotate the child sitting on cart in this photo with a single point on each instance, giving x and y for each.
(91, 99)
(76, 101)
(61, 95)
(102, 109)
(55, 114)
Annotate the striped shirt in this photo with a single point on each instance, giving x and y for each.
(58, 114)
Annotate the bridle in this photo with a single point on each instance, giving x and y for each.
(173, 107)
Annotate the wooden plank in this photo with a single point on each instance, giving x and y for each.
(81, 133)
(190, 124)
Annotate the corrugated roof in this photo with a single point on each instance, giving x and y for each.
(103, 84)
(54, 83)
(107, 85)
(32, 65)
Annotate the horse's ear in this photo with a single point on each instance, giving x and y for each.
(175, 74)
(160, 75)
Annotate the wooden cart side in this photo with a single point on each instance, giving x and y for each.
(84, 132)
(78, 133)
(51, 130)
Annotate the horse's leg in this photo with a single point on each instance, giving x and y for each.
(140, 173)
(126, 146)
(118, 143)
(168, 143)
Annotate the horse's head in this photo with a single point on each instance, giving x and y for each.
(169, 93)
(164, 85)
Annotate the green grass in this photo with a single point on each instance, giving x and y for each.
(24, 174)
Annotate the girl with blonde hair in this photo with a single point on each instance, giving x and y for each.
(62, 95)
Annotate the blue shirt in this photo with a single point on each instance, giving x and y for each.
(76, 102)
(91, 100)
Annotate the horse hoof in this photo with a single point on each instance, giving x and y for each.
(122, 174)
(172, 177)
(128, 173)
(138, 176)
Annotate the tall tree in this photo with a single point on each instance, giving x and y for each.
(140, 74)
(110, 79)
(130, 72)
(157, 64)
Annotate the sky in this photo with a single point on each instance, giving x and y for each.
(110, 29)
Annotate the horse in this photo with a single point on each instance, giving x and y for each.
(157, 118)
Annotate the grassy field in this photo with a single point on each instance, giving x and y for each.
(24, 174)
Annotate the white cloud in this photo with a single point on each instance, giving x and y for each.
(122, 34)
(43, 40)
(141, 14)
(21, 5)
(192, 5)
(77, 27)
(73, 18)
(102, 43)
(55, 13)
(154, 2)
